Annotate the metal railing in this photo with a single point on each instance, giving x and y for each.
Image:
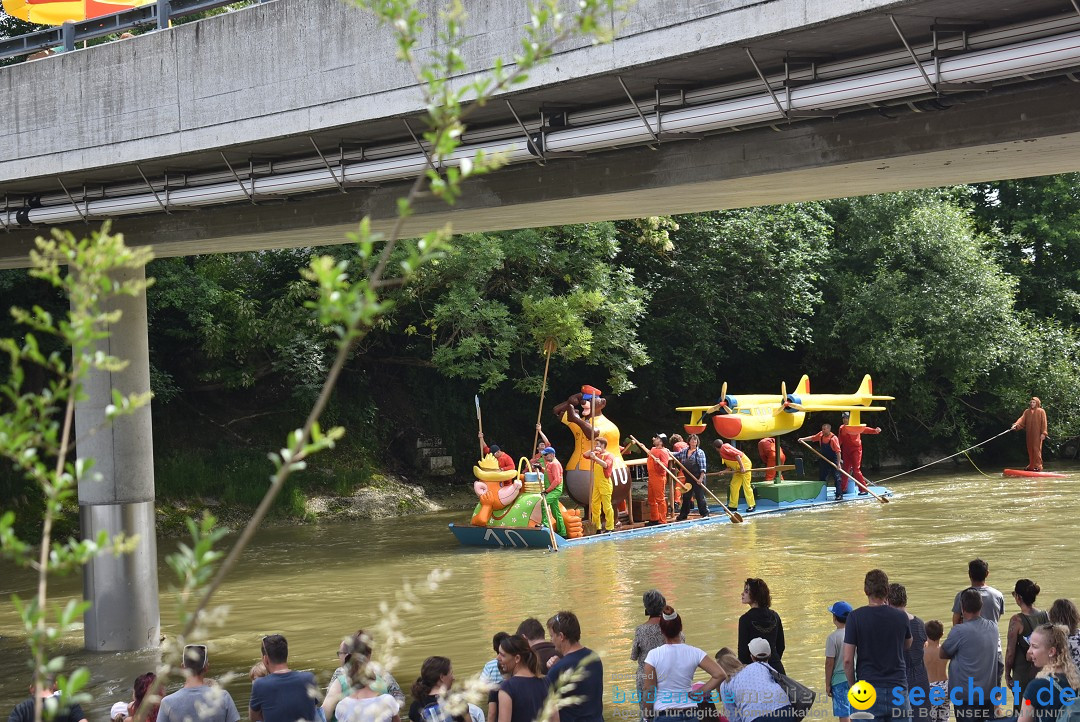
(68, 34)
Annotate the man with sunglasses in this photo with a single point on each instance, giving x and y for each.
(197, 700)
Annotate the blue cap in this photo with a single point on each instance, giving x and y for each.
(548, 450)
(840, 609)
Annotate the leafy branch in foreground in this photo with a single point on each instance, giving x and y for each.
(36, 428)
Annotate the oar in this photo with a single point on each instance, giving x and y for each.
(782, 467)
(882, 499)
(479, 423)
(735, 516)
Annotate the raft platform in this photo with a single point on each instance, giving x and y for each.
(1033, 474)
(772, 498)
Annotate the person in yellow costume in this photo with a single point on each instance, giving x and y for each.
(739, 464)
(603, 466)
(583, 414)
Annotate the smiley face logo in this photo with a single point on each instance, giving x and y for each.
(862, 695)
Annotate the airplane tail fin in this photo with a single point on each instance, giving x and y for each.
(803, 386)
(865, 393)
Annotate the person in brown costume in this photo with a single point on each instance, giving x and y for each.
(1033, 422)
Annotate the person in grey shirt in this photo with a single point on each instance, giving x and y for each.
(972, 650)
(993, 603)
(197, 701)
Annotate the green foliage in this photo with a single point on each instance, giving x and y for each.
(1039, 244)
(489, 306)
(236, 319)
(915, 295)
(735, 285)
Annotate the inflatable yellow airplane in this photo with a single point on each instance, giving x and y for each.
(756, 416)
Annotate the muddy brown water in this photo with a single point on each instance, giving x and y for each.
(316, 583)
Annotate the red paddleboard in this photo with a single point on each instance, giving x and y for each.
(1025, 472)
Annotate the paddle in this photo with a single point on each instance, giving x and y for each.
(782, 467)
(882, 499)
(480, 424)
(735, 516)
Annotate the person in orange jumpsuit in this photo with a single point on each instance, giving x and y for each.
(851, 449)
(1033, 421)
(766, 449)
(659, 459)
(677, 445)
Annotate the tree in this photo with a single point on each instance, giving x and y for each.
(1039, 239)
(732, 289)
(486, 308)
(915, 295)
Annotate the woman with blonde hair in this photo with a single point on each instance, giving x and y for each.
(750, 693)
(1045, 695)
(363, 702)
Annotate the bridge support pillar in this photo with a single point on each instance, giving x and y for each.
(123, 590)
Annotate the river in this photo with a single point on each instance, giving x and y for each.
(317, 583)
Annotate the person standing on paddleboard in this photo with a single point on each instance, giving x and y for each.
(1033, 422)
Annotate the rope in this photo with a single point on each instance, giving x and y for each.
(965, 451)
(977, 467)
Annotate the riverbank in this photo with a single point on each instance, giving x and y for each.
(383, 496)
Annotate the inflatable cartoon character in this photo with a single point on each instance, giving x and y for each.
(496, 488)
(505, 503)
(583, 413)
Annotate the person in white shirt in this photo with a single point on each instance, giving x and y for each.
(669, 674)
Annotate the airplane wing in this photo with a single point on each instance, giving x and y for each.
(828, 407)
(693, 408)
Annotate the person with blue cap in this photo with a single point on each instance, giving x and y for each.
(553, 488)
(836, 682)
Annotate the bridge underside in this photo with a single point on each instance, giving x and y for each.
(1025, 130)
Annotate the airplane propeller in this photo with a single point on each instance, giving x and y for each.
(723, 401)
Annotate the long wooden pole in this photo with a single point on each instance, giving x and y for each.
(781, 467)
(735, 516)
(592, 467)
(882, 499)
(549, 346)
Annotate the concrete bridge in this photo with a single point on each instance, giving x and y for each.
(282, 124)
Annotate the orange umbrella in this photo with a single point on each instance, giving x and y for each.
(58, 12)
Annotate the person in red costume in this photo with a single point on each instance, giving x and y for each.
(851, 449)
(766, 449)
(1033, 421)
